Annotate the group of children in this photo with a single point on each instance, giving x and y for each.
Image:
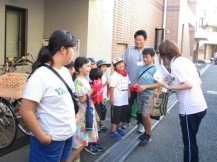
(47, 101)
(91, 80)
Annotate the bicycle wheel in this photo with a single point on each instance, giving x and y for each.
(22, 126)
(8, 124)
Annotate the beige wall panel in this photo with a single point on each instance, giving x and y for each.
(100, 25)
(71, 15)
(35, 24)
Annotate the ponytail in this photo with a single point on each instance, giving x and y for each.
(58, 39)
(44, 56)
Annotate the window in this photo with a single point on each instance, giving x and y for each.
(15, 31)
(159, 37)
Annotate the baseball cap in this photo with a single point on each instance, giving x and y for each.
(92, 60)
(103, 62)
(117, 60)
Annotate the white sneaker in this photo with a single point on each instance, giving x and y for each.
(140, 128)
(124, 125)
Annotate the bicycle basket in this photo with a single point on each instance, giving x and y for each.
(12, 85)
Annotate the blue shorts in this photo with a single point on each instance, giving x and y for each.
(54, 152)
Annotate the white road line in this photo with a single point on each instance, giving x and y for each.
(204, 69)
(212, 92)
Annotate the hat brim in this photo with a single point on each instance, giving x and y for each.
(108, 65)
(119, 61)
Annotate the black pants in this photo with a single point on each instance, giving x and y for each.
(133, 97)
(190, 125)
(101, 110)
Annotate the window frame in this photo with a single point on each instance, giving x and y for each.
(23, 24)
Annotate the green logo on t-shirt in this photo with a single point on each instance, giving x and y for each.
(61, 91)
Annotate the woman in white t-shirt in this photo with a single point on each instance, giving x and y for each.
(47, 107)
(192, 105)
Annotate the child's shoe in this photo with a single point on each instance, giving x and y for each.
(115, 135)
(102, 128)
(98, 146)
(121, 131)
(124, 125)
(92, 149)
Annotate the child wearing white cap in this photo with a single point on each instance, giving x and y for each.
(119, 95)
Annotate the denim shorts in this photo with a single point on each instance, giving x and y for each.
(54, 152)
(142, 101)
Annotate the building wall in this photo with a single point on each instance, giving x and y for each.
(130, 16)
(172, 20)
(100, 25)
(71, 15)
(183, 39)
(35, 24)
(180, 25)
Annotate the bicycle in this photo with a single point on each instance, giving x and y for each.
(11, 64)
(21, 125)
(11, 90)
(8, 124)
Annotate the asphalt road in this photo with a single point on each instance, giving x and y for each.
(166, 144)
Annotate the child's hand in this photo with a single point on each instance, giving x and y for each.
(141, 88)
(105, 84)
(45, 140)
(111, 101)
(164, 84)
(129, 94)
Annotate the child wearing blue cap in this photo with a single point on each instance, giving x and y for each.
(103, 65)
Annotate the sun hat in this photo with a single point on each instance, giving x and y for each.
(103, 62)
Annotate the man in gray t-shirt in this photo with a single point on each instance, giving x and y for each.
(133, 60)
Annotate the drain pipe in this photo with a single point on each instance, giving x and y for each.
(165, 17)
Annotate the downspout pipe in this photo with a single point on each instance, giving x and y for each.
(165, 17)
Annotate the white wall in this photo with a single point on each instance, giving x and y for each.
(184, 19)
(100, 25)
(35, 24)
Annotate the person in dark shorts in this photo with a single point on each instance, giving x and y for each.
(119, 95)
(147, 84)
(96, 76)
(103, 65)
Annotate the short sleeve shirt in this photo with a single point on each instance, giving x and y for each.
(132, 57)
(55, 109)
(190, 100)
(146, 78)
(104, 79)
(82, 86)
(121, 85)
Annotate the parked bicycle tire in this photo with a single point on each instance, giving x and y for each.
(22, 126)
(8, 124)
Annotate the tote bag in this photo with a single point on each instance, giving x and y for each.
(157, 103)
